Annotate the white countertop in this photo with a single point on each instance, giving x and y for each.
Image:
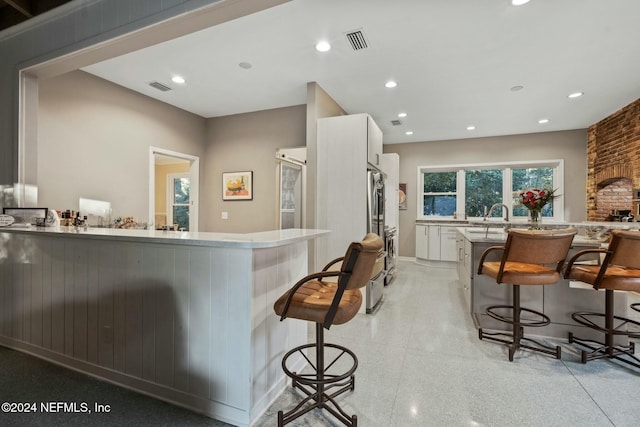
(482, 234)
(610, 225)
(263, 239)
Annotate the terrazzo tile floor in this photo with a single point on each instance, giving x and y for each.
(420, 364)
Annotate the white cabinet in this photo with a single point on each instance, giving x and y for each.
(447, 243)
(341, 182)
(422, 241)
(374, 142)
(436, 242)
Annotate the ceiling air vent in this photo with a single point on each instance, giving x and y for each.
(356, 40)
(159, 86)
(396, 122)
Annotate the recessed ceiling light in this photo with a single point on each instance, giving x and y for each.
(323, 46)
(245, 65)
(402, 114)
(576, 95)
(519, 2)
(390, 84)
(409, 132)
(543, 121)
(471, 128)
(178, 79)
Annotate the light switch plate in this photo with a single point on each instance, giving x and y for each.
(225, 215)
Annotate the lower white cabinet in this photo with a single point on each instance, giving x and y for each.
(436, 242)
(448, 251)
(422, 241)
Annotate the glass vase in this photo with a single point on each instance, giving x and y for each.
(536, 219)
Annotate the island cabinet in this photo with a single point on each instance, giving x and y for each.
(183, 317)
(464, 264)
(435, 242)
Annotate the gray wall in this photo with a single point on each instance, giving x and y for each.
(78, 25)
(248, 142)
(568, 145)
(94, 139)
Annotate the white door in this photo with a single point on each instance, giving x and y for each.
(291, 201)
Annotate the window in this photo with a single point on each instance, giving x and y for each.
(179, 200)
(531, 178)
(473, 189)
(483, 187)
(439, 196)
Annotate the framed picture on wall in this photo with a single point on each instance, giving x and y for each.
(237, 185)
(402, 197)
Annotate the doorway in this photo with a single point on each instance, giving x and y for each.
(173, 189)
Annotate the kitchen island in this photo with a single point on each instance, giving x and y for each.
(557, 301)
(183, 317)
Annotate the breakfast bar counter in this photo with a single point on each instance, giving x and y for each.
(183, 317)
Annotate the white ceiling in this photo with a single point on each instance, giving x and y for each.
(454, 60)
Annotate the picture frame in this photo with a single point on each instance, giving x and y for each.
(402, 196)
(26, 215)
(237, 185)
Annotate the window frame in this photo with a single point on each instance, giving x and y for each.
(557, 165)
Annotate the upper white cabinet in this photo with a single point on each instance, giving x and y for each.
(374, 143)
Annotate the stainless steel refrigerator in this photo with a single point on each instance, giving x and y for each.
(375, 224)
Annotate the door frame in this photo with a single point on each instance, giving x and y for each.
(194, 171)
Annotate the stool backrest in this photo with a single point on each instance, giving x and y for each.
(624, 249)
(539, 246)
(361, 261)
(358, 267)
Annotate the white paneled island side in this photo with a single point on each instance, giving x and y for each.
(183, 317)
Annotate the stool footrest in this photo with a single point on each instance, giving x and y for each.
(601, 350)
(320, 386)
(514, 345)
(585, 319)
(543, 321)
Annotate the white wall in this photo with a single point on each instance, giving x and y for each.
(94, 140)
(568, 145)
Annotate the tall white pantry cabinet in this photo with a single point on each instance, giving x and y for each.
(346, 144)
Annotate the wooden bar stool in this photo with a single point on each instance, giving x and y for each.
(619, 271)
(530, 258)
(327, 303)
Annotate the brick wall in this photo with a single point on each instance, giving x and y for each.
(613, 162)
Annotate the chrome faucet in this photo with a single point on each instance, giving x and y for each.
(495, 206)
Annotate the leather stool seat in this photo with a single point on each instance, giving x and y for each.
(313, 299)
(528, 258)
